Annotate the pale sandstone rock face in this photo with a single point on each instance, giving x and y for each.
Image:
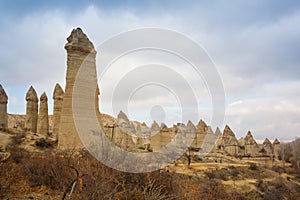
(209, 130)
(164, 127)
(201, 127)
(79, 49)
(3, 109)
(229, 140)
(31, 110)
(218, 143)
(158, 137)
(195, 144)
(43, 118)
(200, 135)
(218, 131)
(191, 127)
(267, 145)
(209, 140)
(155, 127)
(251, 147)
(124, 133)
(58, 96)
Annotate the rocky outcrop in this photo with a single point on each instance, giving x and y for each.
(250, 146)
(267, 148)
(3, 109)
(276, 148)
(201, 127)
(58, 95)
(124, 132)
(218, 131)
(31, 110)
(78, 49)
(155, 127)
(200, 135)
(229, 141)
(43, 118)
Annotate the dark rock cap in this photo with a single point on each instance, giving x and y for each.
(80, 42)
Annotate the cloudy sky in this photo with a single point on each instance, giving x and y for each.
(255, 46)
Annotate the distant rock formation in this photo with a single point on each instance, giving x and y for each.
(129, 135)
(43, 118)
(155, 127)
(31, 110)
(229, 141)
(276, 148)
(250, 146)
(58, 95)
(267, 148)
(3, 109)
(218, 131)
(78, 47)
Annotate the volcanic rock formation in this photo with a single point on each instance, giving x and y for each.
(3, 109)
(79, 48)
(58, 95)
(43, 118)
(31, 110)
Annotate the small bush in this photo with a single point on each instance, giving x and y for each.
(42, 143)
(253, 166)
(278, 169)
(210, 175)
(221, 174)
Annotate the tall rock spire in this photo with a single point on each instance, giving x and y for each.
(43, 119)
(277, 149)
(79, 48)
(3, 109)
(58, 95)
(31, 110)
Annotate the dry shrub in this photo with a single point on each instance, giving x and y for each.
(253, 166)
(43, 143)
(154, 191)
(56, 171)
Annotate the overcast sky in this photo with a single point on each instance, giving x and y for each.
(255, 46)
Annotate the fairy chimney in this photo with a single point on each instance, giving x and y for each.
(251, 146)
(31, 110)
(3, 109)
(276, 148)
(230, 141)
(267, 145)
(43, 118)
(78, 48)
(58, 95)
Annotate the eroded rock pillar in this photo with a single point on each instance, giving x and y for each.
(58, 95)
(78, 49)
(31, 110)
(43, 119)
(3, 109)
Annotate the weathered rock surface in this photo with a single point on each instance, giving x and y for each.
(43, 118)
(276, 148)
(31, 110)
(79, 49)
(58, 96)
(267, 147)
(229, 140)
(250, 145)
(3, 109)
